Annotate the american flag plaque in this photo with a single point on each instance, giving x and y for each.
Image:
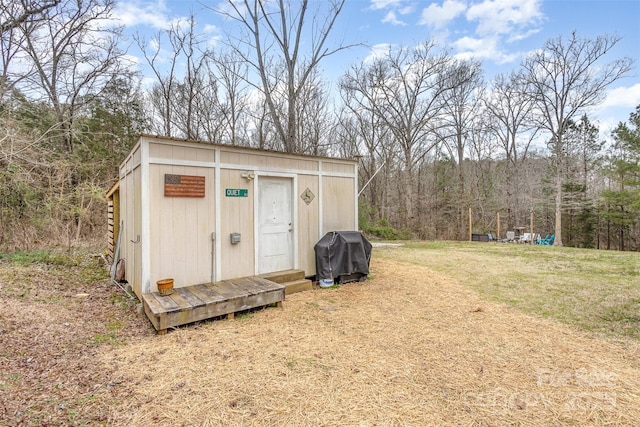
(183, 186)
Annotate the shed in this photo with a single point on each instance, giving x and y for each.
(201, 212)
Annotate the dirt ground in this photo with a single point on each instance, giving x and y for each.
(409, 347)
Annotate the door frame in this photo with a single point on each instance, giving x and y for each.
(256, 215)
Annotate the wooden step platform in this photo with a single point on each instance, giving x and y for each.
(293, 280)
(194, 303)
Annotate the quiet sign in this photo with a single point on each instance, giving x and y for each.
(236, 192)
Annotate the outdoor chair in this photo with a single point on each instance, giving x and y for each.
(539, 240)
(525, 238)
(548, 241)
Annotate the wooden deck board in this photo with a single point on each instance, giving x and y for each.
(228, 290)
(242, 289)
(206, 293)
(167, 303)
(204, 301)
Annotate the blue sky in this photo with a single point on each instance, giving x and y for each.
(497, 32)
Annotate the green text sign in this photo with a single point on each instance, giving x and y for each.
(236, 192)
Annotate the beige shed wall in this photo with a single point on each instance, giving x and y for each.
(336, 167)
(130, 210)
(308, 223)
(180, 152)
(338, 203)
(180, 227)
(236, 216)
(267, 161)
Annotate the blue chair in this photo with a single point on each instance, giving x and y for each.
(548, 241)
(540, 240)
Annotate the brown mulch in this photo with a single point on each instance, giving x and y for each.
(55, 323)
(408, 347)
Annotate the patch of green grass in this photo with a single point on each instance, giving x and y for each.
(111, 334)
(43, 257)
(244, 315)
(108, 338)
(595, 290)
(115, 326)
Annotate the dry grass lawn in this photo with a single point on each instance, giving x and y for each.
(410, 347)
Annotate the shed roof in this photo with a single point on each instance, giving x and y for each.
(243, 148)
(113, 188)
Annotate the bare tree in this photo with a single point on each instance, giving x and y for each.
(165, 87)
(404, 89)
(511, 122)
(461, 103)
(231, 75)
(14, 13)
(313, 119)
(365, 134)
(74, 56)
(276, 33)
(189, 44)
(208, 120)
(71, 56)
(563, 79)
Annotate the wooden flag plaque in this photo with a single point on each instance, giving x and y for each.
(183, 186)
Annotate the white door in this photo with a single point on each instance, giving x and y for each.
(275, 224)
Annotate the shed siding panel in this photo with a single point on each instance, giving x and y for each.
(205, 155)
(268, 161)
(238, 259)
(308, 217)
(181, 229)
(337, 167)
(132, 221)
(311, 165)
(234, 158)
(136, 158)
(172, 152)
(338, 198)
(163, 151)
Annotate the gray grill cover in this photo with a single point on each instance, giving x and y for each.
(340, 253)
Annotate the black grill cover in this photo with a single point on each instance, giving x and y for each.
(342, 253)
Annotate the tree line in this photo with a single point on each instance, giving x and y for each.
(433, 137)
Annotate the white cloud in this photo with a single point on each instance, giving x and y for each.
(406, 10)
(619, 103)
(482, 48)
(384, 4)
(436, 16)
(392, 19)
(133, 13)
(504, 16)
(394, 9)
(497, 22)
(210, 28)
(238, 8)
(622, 97)
(377, 51)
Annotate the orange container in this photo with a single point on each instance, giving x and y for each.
(165, 287)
